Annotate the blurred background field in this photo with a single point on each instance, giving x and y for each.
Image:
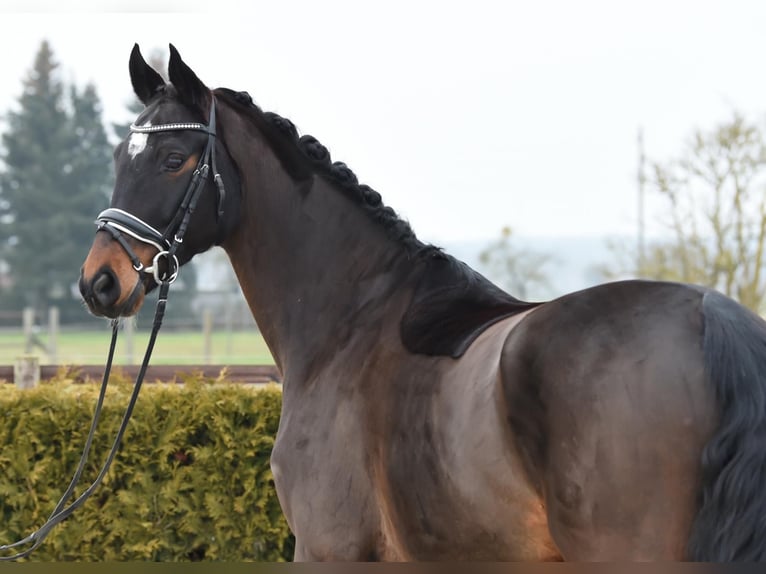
(82, 347)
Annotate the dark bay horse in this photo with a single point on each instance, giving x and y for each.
(428, 415)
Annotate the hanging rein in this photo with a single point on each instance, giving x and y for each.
(164, 271)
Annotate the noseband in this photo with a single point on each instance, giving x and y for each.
(119, 223)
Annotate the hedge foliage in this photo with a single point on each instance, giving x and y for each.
(191, 481)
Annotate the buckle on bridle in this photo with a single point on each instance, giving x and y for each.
(170, 274)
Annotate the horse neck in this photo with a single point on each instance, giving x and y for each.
(312, 264)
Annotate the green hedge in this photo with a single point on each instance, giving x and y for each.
(191, 481)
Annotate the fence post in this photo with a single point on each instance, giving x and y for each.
(27, 325)
(26, 372)
(130, 331)
(53, 334)
(207, 334)
(229, 322)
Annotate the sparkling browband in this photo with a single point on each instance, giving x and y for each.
(167, 127)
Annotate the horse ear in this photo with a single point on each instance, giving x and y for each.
(190, 88)
(146, 81)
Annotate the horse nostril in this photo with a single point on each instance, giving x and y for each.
(106, 288)
(102, 283)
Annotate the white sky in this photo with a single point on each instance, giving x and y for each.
(465, 116)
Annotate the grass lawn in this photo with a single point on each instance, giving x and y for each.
(180, 348)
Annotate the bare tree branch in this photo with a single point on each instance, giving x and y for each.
(716, 213)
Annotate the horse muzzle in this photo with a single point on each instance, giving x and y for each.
(103, 295)
(109, 284)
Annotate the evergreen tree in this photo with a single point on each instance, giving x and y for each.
(55, 178)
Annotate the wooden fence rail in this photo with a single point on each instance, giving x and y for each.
(247, 374)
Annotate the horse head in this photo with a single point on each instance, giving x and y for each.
(173, 175)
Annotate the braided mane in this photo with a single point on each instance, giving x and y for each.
(451, 304)
(285, 140)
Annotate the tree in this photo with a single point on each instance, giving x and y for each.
(715, 213)
(521, 273)
(55, 178)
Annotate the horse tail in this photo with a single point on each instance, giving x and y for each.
(731, 520)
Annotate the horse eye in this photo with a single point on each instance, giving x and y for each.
(174, 162)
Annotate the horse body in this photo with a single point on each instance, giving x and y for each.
(518, 450)
(428, 415)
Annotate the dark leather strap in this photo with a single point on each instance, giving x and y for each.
(133, 226)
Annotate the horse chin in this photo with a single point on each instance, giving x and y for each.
(134, 302)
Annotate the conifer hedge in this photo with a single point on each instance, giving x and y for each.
(191, 481)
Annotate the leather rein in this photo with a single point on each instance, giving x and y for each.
(164, 270)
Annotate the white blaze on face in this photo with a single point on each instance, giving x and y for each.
(137, 143)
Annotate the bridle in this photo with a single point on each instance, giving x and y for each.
(119, 223)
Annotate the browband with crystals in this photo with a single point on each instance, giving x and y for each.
(169, 127)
